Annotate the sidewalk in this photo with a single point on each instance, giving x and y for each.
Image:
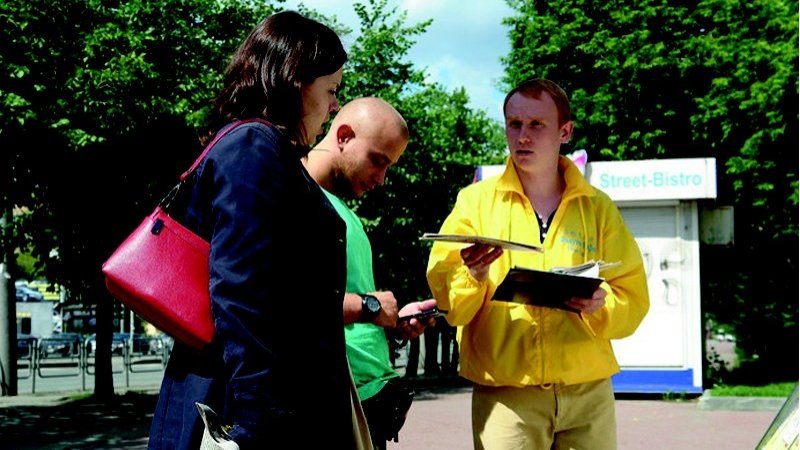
(439, 420)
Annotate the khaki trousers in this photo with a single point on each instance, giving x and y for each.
(360, 426)
(557, 417)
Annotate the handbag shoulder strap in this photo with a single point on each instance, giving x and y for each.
(227, 129)
(167, 200)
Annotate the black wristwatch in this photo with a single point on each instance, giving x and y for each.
(370, 308)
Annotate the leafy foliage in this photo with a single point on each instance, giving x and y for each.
(714, 78)
(85, 77)
(447, 140)
(103, 102)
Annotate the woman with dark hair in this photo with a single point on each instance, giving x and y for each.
(276, 372)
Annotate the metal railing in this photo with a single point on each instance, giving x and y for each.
(74, 356)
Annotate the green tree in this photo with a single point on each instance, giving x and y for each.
(714, 78)
(100, 103)
(103, 102)
(447, 140)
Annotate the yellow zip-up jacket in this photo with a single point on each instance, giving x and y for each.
(512, 344)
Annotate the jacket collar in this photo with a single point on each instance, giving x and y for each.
(577, 185)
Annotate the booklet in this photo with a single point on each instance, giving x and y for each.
(552, 288)
(471, 239)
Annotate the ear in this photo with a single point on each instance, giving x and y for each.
(344, 133)
(565, 132)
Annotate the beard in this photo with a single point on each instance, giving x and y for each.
(342, 187)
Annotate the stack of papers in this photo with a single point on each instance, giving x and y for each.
(472, 239)
(588, 269)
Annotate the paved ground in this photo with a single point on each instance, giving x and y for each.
(53, 421)
(439, 420)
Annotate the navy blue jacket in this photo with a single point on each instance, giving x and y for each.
(276, 369)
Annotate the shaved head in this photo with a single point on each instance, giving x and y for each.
(372, 116)
(365, 139)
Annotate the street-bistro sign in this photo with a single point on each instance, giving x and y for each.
(651, 179)
(655, 179)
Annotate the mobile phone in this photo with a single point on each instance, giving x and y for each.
(433, 312)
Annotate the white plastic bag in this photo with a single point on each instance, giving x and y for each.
(214, 435)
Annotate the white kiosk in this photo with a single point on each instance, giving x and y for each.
(658, 200)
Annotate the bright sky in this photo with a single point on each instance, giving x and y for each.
(462, 47)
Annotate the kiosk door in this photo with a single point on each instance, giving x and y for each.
(660, 341)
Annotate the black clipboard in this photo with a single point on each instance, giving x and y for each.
(543, 288)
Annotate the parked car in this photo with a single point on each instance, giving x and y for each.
(61, 345)
(49, 291)
(27, 294)
(159, 343)
(141, 344)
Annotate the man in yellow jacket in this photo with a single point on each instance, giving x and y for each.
(541, 375)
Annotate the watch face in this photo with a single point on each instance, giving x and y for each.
(373, 304)
(370, 308)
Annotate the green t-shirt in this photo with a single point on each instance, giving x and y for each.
(367, 349)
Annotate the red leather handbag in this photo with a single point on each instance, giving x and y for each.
(160, 271)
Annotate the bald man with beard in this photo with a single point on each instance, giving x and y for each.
(365, 139)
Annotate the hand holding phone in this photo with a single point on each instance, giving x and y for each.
(422, 315)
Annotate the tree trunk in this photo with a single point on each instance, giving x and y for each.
(103, 378)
